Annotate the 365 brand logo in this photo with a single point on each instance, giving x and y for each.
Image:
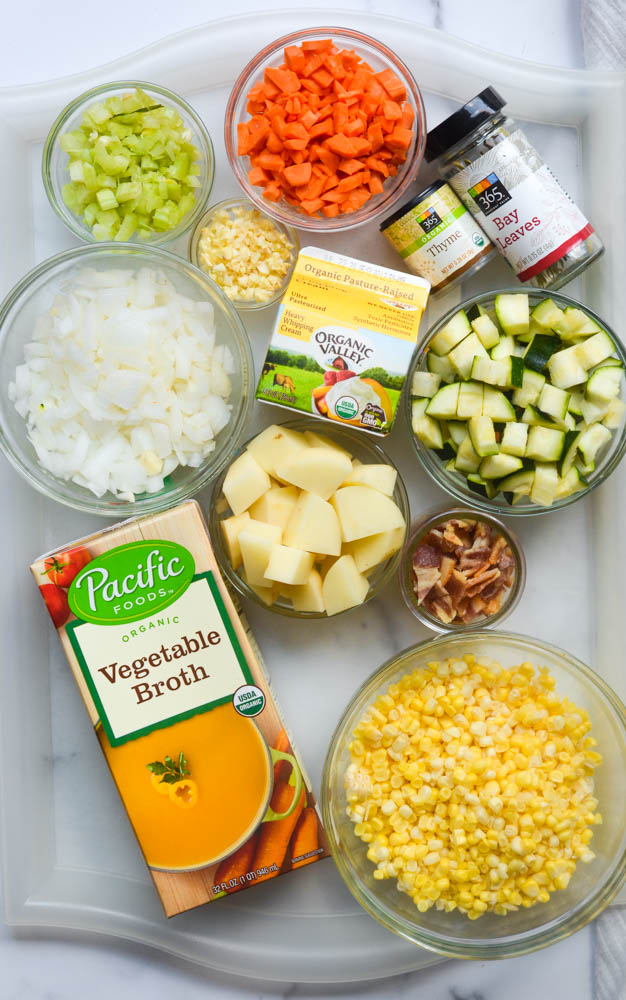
(489, 194)
(131, 582)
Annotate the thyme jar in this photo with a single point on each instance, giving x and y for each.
(437, 237)
(512, 193)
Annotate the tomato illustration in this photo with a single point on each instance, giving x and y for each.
(56, 603)
(64, 566)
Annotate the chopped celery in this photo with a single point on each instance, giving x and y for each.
(133, 169)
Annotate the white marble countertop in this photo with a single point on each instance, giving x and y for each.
(42, 41)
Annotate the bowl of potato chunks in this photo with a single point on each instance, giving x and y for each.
(309, 524)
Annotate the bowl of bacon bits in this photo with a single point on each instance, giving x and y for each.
(325, 129)
(461, 569)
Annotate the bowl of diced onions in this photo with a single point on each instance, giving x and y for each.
(473, 794)
(126, 379)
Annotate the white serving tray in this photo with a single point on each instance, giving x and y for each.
(70, 859)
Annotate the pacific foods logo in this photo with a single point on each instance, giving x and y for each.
(131, 582)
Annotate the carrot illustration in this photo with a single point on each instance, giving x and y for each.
(275, 836)
(305, 838)
(238, 864)
(282, 744)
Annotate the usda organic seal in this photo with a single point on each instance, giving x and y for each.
(249, 700)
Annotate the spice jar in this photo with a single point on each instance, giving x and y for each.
(437, 237)
(512, 194)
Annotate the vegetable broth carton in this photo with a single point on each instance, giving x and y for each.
(343, 340)
(179, 700)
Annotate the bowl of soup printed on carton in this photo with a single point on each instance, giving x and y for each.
(178, 697)
(343, 340)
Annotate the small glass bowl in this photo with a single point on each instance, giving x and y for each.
(360, 447)
(34, 295)
(379, 58)
(454, 482)
(431, 519)
(54, 164)
(229, 205)
(592, 886)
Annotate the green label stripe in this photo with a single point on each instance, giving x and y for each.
(72, 628)
(421, 241)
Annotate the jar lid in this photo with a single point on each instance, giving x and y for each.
(451, 130)
(410, 204)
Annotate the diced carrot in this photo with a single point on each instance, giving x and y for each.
(392, 84)
(309, 118)
(285, 79)
(311, 87)
(407, 115)
(329, 159)
(298, 155)
(334, 196)
(393, 170)
(317, 45)
(269, 161)
(323, 77)
(375, 89)
(340, 116)
(298, 174)
(296, 144)
(332, 180)
(258, 176)
(330, 211)
(322, 128)
(273, 144)
(313, 189)
(361, 146)
(334, 65)
(361, 78)
(272, 192)
(375, 136)
(375, 163)
(392, 111)
(350, 166)
(400, 138)
(311, 206)
(375, 183)
(355, 127)
(312, 64)
(243, 139)
(295, 58)
(355, 181)
(295, 130)
(341, 145)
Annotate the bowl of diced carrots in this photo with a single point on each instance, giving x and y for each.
(325, 129)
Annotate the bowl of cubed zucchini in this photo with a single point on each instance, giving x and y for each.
(515, 401)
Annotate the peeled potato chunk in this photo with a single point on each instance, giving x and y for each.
(231, 526)
(363, 511)
(317, 470)
(379, 477)
(314, 526)
(267, 594)
(255, 541)
(370, 551)
(275, 444)
(308, 596)
(275, 506)
(343, 587)
(289, 565)
(245, 482)
(321, 441)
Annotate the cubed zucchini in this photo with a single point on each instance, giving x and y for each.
(496, 405)
(512, 312)
(544, 444)
(592, 440)
(462, 356)
(545, 484)
(466, 458)
(470, 402)
(554, 402)
(455, 330)
(428, 431)
(425, 384)
(440, 366)
(565, 368)
(532, 384)
(595, 349)
(497, 466)
(514, 438)
(486, 331)
(483, 436)
(547, 314)
(540, 350)
(604, 384)
(444, 402)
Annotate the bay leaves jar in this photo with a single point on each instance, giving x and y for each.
(512, 194)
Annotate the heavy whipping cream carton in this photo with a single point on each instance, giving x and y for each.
(343, 340)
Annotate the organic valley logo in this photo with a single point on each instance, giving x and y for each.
(131, 582)
(339, 343)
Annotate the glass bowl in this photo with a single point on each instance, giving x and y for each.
(34, 295)
(454, 482)
(229, 205)
(431, 519)
(592, 886)
(54, 164)
(379, 58)
(360, 447)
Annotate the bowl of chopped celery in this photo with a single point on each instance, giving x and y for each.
(473, 795)
(128, 162)
(516, 401)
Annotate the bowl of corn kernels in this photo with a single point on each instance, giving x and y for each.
(473, 795)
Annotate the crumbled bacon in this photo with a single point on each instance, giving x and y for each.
(462, 570)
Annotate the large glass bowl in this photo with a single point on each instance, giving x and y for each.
(55, 163)
(34, 295)
(367, 452)
(379, 58)
(454, 482)
(592, 886)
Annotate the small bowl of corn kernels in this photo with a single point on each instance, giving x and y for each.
(249, 255)
(473, 795)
